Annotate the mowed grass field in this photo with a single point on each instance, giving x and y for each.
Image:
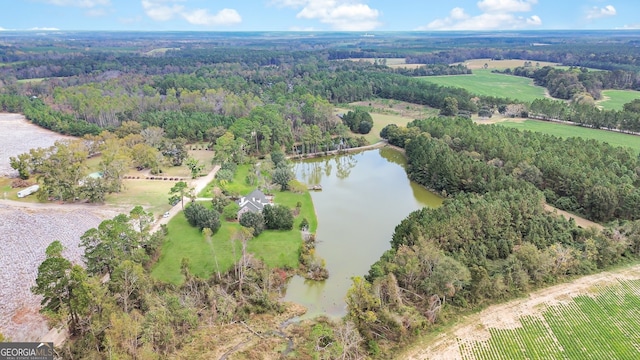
(605, 325)
(275, 248)
(615, 99)
(565, 131)
(484, 82)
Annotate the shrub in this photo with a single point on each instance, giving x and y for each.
(254, 221)
(277, 217)
(199, 216)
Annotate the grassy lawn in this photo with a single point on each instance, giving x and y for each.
(615, 99)
(237, 186)
(186, 241)
(484, 82)
(6, 190)
(275, 248)
(565, 131)
(153, 195)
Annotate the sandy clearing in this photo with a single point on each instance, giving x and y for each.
(18, 135)
(507, 316)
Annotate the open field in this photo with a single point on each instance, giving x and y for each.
(385, 112)
(153, 195)
(603, 325)
(615, 99)
(17, 136)
(25, 232)
(502, 64)
(390, 62)
(159, 51)
(565, 131)
(484, 82)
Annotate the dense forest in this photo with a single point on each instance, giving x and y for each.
(246, 96)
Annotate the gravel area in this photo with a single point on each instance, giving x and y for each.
(17, 136)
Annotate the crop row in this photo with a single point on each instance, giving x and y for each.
(603, 326)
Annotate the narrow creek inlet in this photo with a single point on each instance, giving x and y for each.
(364, 196)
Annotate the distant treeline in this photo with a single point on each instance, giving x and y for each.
(627, 120)
(567, 84)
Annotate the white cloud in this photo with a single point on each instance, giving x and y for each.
(506, 6)
(496, 15)
(44, 29)
(162, 10)
(596, 12)
(203, 17)
(349, 15)
(79, 3)
(534, 20)
(2, 29)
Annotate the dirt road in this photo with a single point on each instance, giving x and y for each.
(198, 185)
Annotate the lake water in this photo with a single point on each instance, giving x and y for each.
(365, 195)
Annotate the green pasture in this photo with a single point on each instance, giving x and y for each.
(565, 131)
(484, 82)
(603, 326)
(615, 99)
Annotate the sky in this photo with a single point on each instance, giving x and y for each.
(318, 15)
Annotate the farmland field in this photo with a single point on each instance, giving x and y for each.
(484, 82)
(615, 99)
(565, 131)
(604, 325)
(17, 136)
(502, 64)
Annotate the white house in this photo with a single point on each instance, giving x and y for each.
(253, 202)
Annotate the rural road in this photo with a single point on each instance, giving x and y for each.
(198, 185)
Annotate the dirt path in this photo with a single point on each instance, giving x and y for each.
(198, 185)
(507, 316)
(582, 222)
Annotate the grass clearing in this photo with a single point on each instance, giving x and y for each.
(237, 186)
(153, 195)
(385, 112)
(186, 241)
(565, 131)
(615, 99)
(604, 325)
(484, 82)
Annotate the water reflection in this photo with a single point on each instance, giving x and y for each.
(365, 195)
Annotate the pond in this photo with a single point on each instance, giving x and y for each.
(364, 196)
